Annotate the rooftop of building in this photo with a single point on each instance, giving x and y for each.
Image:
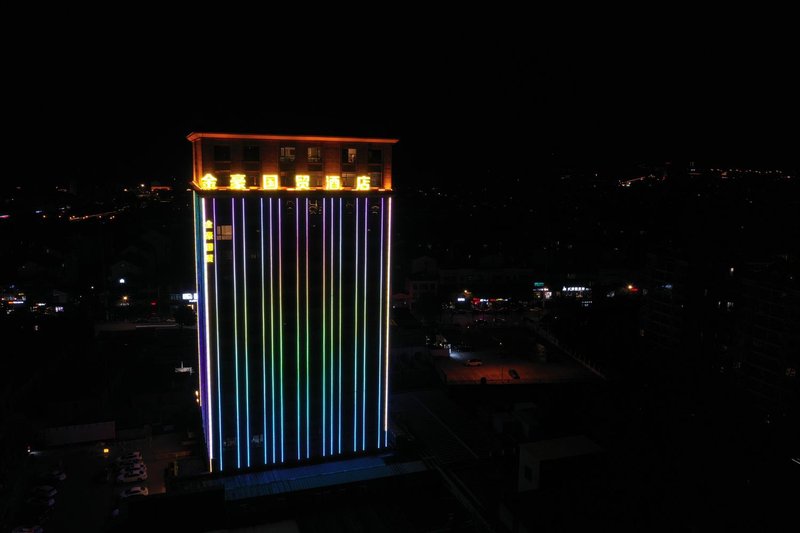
(302, 138)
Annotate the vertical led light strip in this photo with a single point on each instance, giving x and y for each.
(271, 334)
(201, 302)
(263, 330)
(331, 330)
(355, 344)
(340, 327)
(308, 348)
(209, 405)
(324, 326)
(380, 332)
(236, 336)
(280, 317)
(297, 313)
(364, 337)
(216, 331)
(246, 342)
(386, 335)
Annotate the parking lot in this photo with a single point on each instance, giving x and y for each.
(90, 493)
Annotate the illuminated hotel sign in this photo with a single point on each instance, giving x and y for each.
(271, 182)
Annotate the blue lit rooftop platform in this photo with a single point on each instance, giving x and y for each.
(294, 479)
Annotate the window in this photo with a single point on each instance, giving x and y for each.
(224, 233)
(222, 153)
(315, 154)
(375, 157)
(251, 153)
(349, 155)
(376, 179)
(287, 154)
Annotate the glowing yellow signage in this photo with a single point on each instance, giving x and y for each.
(269, 182)
(209, 224)
(272, 182)
(362, 183)
(238, 181)
(208, 182)
(333, 183)
(302, 183)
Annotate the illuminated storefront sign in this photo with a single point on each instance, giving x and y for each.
(271, 182)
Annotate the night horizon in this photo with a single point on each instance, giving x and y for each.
(479, 288)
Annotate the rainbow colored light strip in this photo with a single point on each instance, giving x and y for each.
(340, 248)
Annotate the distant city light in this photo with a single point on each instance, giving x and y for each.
(576, 289)
(461, 299)
(122, 281)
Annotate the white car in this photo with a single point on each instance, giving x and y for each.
(133, 491)
(44, 491)
(134, 475)
(131, 464)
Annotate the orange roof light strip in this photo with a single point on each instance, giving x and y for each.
(271, 182)
(306, 138)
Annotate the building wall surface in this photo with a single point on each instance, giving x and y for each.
(293, 295)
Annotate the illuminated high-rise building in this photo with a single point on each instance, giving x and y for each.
(293, 254)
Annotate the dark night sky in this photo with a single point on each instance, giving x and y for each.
(128, 118)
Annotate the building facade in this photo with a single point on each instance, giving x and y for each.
(293, 254)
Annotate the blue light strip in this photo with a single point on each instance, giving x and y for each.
(386, 335)
(331, 330)
(364, 339)
(297, 315)
(263, 330)
(216, 327)
(355, 344)
(236, 336)
(199, 266)
(340, 327)
(308, 349)
(272, 334)
(324, 326)
(280, 318)
(208, 407)
(380, 334)
(246, 342)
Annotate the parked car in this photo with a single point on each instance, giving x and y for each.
(513, 373)
(27, 529)
(40, 502)
(134, 491)
(45, 491)
(130, 457)
(130, 464)
(127, 477)
(57, 474)
(473, 362)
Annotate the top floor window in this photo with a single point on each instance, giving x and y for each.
(287, 154)
(315, 154)
(349, 155)
(375, 157)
